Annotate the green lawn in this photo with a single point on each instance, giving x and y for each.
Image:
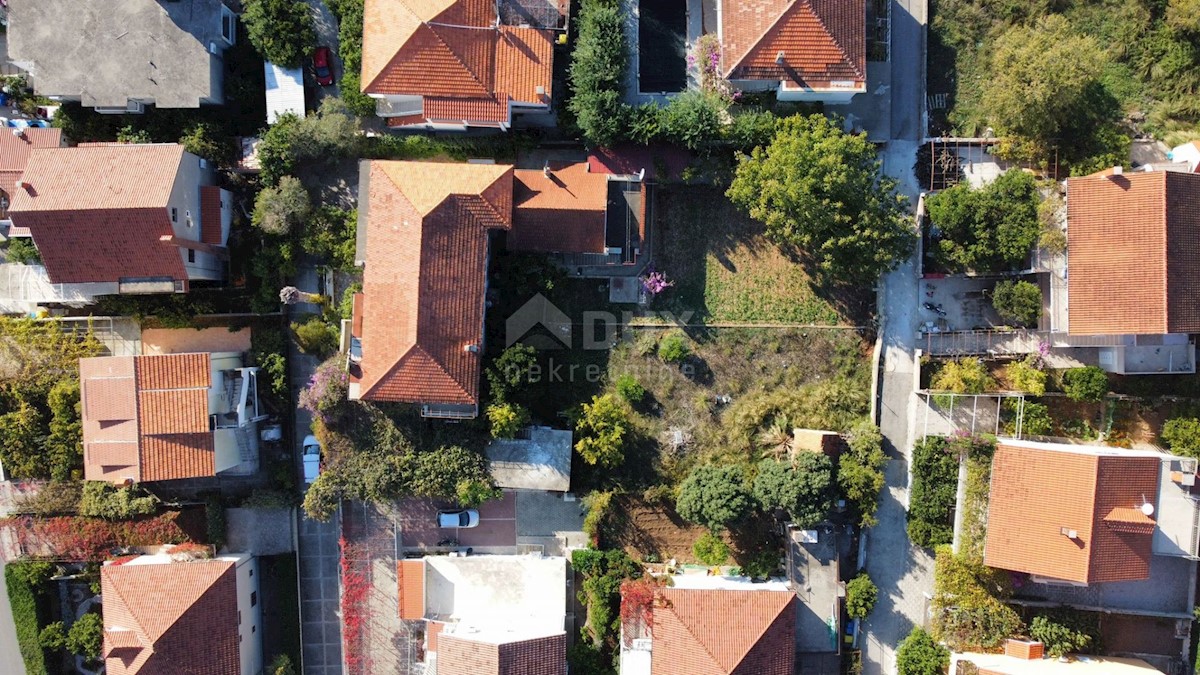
(724, 269)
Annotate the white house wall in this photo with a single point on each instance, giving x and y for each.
(249, 615)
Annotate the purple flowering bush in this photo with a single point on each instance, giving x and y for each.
(656, 282)
(705, 57)
(326, 391)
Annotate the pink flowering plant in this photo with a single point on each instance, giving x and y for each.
(705, 59)
(656, 282)
(326, 391)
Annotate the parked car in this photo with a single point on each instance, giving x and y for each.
(312, 459)
(323, 65)
(459, 518)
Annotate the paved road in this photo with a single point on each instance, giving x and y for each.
(909, 18)
(320, 623)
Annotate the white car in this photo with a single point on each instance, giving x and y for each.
(312, 459)
(459, 518)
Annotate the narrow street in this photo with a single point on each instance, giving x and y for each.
(903, 572)
(320, 621)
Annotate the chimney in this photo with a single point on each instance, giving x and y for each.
(546, 169)
(21, 185)
(1029, 650)
(779, 59)
(1117, 171)
(18, 132)
(474, 349)
(1068, 533)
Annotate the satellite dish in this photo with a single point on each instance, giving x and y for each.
(1148, 508)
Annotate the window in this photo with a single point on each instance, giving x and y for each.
(227, 25)
(253, 629)
(253, 598)
(3, 205)
(191, 256)
(174, 215)
(251, 572)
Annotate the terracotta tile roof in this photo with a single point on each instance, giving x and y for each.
(823, 41)
(1133, 241)
(454, 49)
(432, 630)
(1040, 489)
(146, 417)
(160, 616)
(724, 632)
(14, 152)
(562, 213)
(446, 109)
(98, 213)
(410, 577)
(210, 215)
(423, 286)
(458, 655)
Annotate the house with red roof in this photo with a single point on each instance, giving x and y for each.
(1084, 514)
(804, 50)
(116, 218)
(14, 155)
(416, 335)
(588, 222)
(173, 612)
(487, 614)
(714, 626)
(458, 64)
(1132, 277)
(168, 416)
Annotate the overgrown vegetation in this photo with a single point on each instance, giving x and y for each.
(1182, 436)
(714, 496)
(40, 430)
(861, 595)
(988, 229)
(802, 488)
(24, 581)
(918, 654)
(934, 491)
(968, 609)
(1063, 74)
(281, 30)
(963, 376)
(860, 470)
(1065, 632)
(603, 572)
(104, 500)
(1089, 383)
(349, 15)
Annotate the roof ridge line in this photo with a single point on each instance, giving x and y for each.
(697, 639)
(838, 43)
(759, 39)
(442, 368)
(457, 57)
(137, 628)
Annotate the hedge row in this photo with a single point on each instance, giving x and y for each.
(22, 596)
(934, 491)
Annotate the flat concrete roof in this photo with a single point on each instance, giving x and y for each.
(497, 598)
(542, 461)
(1081, 665)
(107, 52)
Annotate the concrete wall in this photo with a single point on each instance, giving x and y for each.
(185, 199)
(250, 613)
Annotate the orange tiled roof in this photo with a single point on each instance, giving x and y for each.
(14, 152)
(1040, 489)
(560, 213)
(423, 286)
(724, 632)
(146, 417)
(822, 41)
(459, 655)
(210, 215)
(1133, 242)
(159, 616)
(453, 49)
(410, 576)
(98, 213)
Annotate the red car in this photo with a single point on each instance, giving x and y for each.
(323, 66)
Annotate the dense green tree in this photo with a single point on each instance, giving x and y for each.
(328, 134)
(1040, 78)
(918, 654)
(802, 489)
(861, 595)
(988, 229)
(279, 209)
(21, 440)
(510, 372)
(673, 348)
(281, 30)
(714, 496)
(86, 636)
(602, 427)
(1184, 16)
(597, 72)
(329, 233)
(820, 192)
(860, 470)
(1018, 301)
(207, 140)
(1089, 383)
(22, 251)
(1182, 436)
(1025, 376)
(934, 492)
(506, 419)
(711, 549)
(64, 443)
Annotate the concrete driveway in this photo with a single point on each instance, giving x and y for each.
(326, 27)
(496, 532)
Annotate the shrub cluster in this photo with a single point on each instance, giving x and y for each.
(934, 491)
